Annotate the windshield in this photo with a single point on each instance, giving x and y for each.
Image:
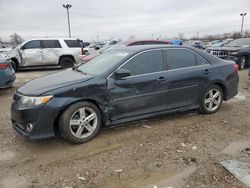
(103, 62)
(240, 42)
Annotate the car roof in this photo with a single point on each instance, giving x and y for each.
(128, 42)
(136, 49)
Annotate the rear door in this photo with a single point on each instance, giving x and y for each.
(141, 93)
(31, 53)
(51, 50)
(187, 75)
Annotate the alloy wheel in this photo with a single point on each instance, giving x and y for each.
(83, 122)
(213, 99)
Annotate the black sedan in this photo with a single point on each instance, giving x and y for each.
(7, 73)
(121, 85)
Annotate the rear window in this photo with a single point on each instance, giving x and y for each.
(180, 58)
(51, 44)
(72, 43)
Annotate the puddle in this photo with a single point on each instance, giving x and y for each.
(149, 179)
(235, 148)
(6, 155)
(14, 182)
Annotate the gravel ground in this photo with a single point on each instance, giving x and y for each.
(179, 150)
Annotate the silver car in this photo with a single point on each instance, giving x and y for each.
(64, 52)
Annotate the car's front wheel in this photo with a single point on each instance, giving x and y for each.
(211, 100)
(80, 122)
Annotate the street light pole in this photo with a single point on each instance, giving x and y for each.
(68, 7)
(243, 15)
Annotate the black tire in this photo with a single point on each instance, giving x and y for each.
(14, 66)
(67, 131)
(204, 106)
(242, 64)
(66, 62)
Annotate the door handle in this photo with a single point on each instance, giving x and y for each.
(206, 71)
(161, 78)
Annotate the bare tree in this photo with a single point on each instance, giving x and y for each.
(16, 39)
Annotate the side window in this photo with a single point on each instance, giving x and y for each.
(51, 44)
(32, 45)
(73, 43)
(180, 58)
(147, 62)
(200, 60)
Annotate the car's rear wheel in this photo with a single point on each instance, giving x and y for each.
(242, 62)
(66, 62)
(211, 100)
(80, 122)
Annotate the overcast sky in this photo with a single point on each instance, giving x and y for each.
(121, 18)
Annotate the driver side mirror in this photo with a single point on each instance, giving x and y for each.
(121, 73)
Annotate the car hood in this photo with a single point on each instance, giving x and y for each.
(225, 48)
(90, 57)
(53, 81)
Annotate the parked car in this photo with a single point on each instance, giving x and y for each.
(121, 85)
(64, 52)
(91, 56)
(177, 42)
(238, 50)
(7, 74)
(196, 44)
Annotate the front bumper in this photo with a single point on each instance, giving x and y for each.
(42, 117)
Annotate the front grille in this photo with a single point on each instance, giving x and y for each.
(219, 53)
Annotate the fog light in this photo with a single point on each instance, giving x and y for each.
(29, 127)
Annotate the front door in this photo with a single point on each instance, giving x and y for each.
(31, 53)
(141, 93)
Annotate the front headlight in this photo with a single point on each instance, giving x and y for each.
(26, 101)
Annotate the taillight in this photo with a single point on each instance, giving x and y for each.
(236, 67)
(4, 65)
(82, 50)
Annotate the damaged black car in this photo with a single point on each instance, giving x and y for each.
(121, 85)
(238, 50)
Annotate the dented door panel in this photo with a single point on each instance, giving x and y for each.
(31, 57)
(51, 55)
(137, 95)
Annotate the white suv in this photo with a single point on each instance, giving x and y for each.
(64, 52)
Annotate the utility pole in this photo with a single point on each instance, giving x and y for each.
(242, 23)
(68, 7)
